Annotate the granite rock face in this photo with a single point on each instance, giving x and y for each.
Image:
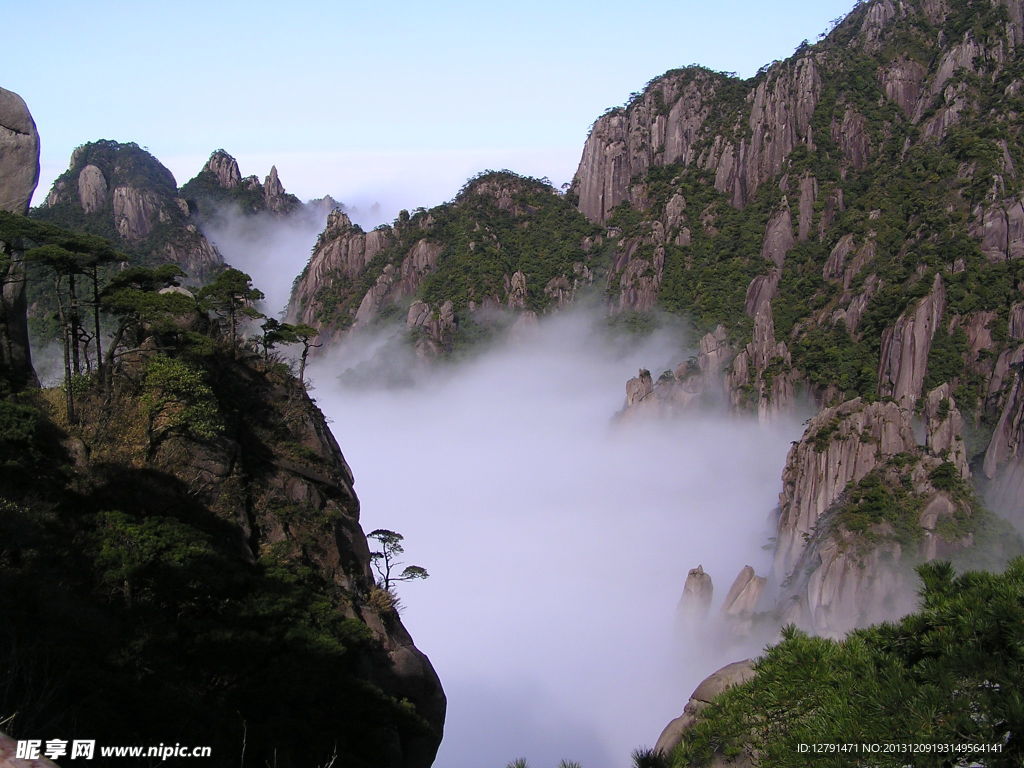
(224, 169)
(19, 174)
(488, 254)
(92, 189)
(714, 685)
(700, 383)
(664, 125)
(834, 575)
(19, 153)
(905, 347)
(840, 446)
(125, 194)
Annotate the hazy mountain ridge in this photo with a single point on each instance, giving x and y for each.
(219, 183)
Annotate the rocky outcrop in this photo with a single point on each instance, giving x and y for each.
(840, 446)
(851, 134)
(433, 329)
(760, 292)
(845, 546)
(399, 283)
(660, 128)
(498, 255)
(905, 347)
(744, 595)
(639, 388)
(19, 153)
(1003, 464)
(696, 599)
(136, 212)
(1000, 227)
(220, 187)
(903, 82)
(92, 189)
(418, 263)
(19, 173)
(781, 107)
(808, 196)
(778, 237)
(342, 250)
(125, 194)
(846, 585)
(374, 298)
(640, 281)
(274, 196)
(944, 429)
(515, 289)
(713, 686)
(762, 374)
(699, 382)
(665, 125)
(224, 169)
(281, 483)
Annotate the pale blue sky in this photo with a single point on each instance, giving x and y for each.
(391, 101)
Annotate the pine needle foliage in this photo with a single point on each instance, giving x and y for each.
(950, 674)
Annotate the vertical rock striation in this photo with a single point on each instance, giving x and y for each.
(19, 174)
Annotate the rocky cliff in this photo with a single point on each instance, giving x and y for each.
(220, 183)
(122, 193)
(19, 173)
(863, 502)
(796, 199)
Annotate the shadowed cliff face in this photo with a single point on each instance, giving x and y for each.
(19, 173)
(203, 528)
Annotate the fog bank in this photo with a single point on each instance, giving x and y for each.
(557, 543)
(272, 250)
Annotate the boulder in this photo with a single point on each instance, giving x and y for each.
(714, 685)
(19, 174)
(19, 153)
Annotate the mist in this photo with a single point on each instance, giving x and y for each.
(557, 539)
(270, 249)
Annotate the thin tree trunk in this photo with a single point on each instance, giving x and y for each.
(69, 400)
(74, 323)
(96, 320)
(107, 370)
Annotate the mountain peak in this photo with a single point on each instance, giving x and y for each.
(224, 168)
